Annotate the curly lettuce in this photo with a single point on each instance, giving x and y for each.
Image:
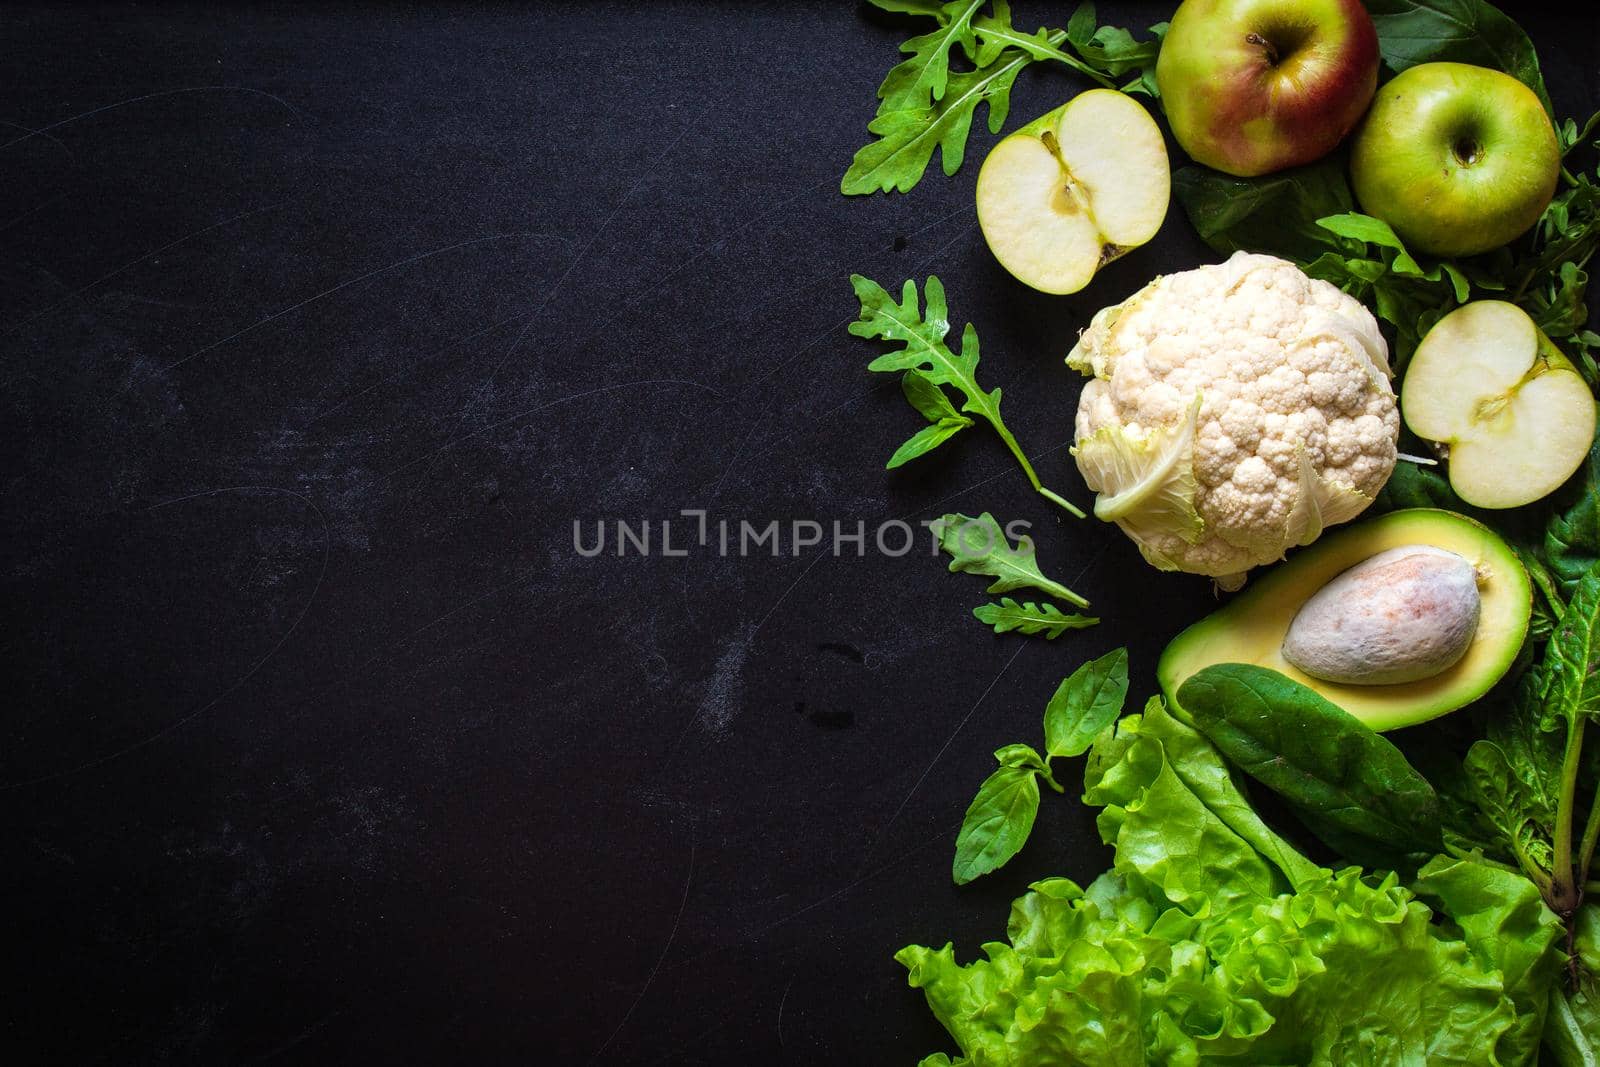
(1213, 941)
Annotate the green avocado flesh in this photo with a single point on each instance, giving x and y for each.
(1251, 628)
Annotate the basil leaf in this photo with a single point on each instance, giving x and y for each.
(979, 546)
(1089, 700)
(997, 823)
(1348, 781)
(1022, 757)
(1411, 32)
(1030, 618)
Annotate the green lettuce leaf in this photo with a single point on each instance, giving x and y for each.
(1211, 942)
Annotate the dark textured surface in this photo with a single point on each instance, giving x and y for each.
(322, 745)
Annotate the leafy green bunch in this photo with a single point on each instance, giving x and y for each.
(972, 57)
(1213, 940)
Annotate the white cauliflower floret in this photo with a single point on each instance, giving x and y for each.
(1234, 412)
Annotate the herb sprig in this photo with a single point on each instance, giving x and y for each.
(925, 355)
(926, 103)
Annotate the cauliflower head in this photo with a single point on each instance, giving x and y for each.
(1235, 411)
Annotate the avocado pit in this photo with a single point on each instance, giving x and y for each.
(1403, 615)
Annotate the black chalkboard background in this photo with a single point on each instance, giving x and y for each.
(321, 326)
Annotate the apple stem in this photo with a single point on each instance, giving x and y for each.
(1265, 45)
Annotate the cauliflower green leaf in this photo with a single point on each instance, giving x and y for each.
(1145, 479)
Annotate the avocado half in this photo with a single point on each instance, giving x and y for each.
(1252, 627)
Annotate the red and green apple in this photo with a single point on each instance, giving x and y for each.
(1254, 86)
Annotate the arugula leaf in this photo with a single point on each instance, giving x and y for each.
(923, 78)
(934, 406)
(925, 351)
(1350, 783)
(1089, 700)
(1030, 618)
(979, 546)
(1411, 32)
(925, 104)
(906, 137)
(997, 822)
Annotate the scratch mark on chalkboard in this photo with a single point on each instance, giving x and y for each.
(408, 261)
(528, 412)
(706, 249)
(4, 226)
(781, 1002)
(148, 255)
(408, 368)
(301, 1036)
(939, 755)
(671, 937)
(31, 132)
(322, 573)
(725, 690)
(480, 393)
(43, 130)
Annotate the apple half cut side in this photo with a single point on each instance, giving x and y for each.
(1515, 415)
(1073, 190)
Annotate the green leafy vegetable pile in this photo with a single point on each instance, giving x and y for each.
(1212, 940)
(1455, 926)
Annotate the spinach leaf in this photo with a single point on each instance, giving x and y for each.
(1349, 783)
(979, 546)
(921, 334)
(1411, 32)
(1275, 213)
(1572, 659)
(1572, 538)
(1030, 618)
(1089, 700)
(997, 822)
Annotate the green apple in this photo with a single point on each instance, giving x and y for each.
(1073, 190)
(1513, 413)
(1458, 159)
(1253, 86)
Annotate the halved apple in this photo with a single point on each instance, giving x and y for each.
(1515, 415)
(1073, 190)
